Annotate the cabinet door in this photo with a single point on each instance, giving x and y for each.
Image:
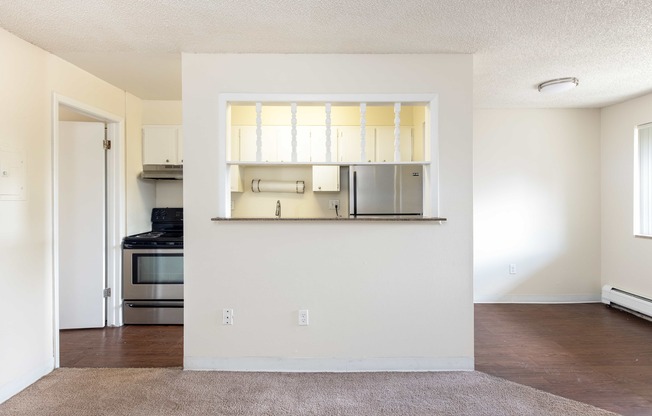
(283, 136)
(349, 144)
(160, 145)
(283, 143)
(407, 144)
(304, 141)
(270, 142)
(235, 144)
(244, 143)
(325, 178)
(236, 178)
(385, 144)
(246, 146)
(318, 144)
(180, 145)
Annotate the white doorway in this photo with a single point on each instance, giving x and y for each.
(82, 222)
(88, 190)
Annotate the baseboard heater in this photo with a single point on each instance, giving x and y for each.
(629, 302)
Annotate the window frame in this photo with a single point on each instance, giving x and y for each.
(642, 226)
(431, 169)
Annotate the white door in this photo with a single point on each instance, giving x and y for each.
(82, 215)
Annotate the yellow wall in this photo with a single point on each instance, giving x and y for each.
(162, 112)
(310, 204)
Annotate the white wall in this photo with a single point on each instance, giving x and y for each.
(626, 260)
(381, 295)
(26, 267)
(168, 193)
(536, 205)
(25, 238)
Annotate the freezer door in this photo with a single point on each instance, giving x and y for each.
(386, 190)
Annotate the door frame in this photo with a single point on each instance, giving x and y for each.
(115, 209)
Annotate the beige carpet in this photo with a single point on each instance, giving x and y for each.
(134, 392)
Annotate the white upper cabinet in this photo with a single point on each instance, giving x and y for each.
(276, 144)
(318, 144)
(298, 134)
(162, 145)
(385, 144)
(303, 143)
(244, 145)
(349, 144)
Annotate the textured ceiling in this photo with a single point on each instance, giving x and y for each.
(517, 44)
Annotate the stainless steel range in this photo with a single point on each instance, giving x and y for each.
(152, 270)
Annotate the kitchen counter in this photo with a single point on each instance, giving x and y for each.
(357, 219)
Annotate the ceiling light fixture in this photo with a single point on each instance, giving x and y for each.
(558, 85)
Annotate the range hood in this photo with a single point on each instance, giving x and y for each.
(162, 172)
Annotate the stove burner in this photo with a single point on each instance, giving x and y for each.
(152, 234)
(167, 230)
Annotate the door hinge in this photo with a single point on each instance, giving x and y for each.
(107, 144)
(107, 292)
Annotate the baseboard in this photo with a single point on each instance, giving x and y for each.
(19, 384)
(334, 365)
(578, 298)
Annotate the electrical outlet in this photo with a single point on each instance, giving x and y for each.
(303, 317)
(227, 316)
(333, 203)
(512, 268)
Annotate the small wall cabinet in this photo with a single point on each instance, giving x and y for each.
(236, 179)
(162, 145)
(325, 178)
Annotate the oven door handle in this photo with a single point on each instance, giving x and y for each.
(172, 304)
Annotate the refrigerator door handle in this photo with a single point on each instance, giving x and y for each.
(355, 193)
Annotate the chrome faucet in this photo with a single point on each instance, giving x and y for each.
(278, 209)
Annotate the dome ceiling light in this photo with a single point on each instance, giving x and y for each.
(558, 85)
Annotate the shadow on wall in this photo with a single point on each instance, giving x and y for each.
(525, 248)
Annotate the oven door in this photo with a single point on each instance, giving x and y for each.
(152, 274)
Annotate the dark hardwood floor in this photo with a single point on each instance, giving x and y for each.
(126, 346)
(585, 352)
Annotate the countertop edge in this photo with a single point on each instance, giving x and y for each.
(366, 219)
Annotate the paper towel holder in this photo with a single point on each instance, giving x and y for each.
(260, 185)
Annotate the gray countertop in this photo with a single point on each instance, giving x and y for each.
(356, 219)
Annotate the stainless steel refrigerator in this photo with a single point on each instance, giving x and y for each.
(385, 190)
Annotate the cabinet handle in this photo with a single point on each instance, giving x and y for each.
(167, 160)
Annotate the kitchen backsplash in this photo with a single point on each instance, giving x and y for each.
(169, 193)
